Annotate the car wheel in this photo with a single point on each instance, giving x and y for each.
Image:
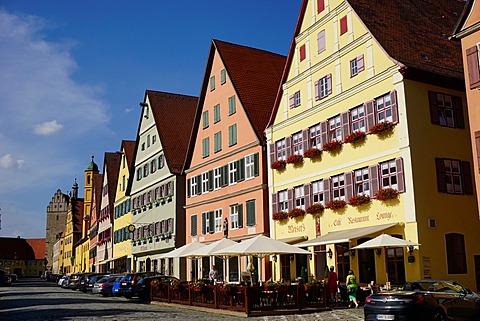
(438, 316)
(128, 296)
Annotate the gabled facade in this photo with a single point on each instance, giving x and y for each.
(122, 246)
(383, 98)
(226, 164)
(56, 220)
(468, 31)
(157, 184)
(111, 166)
(73, 231)
(93, 222)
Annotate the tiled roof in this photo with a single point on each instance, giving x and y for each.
(112, 167)
(38, 246)
(173, 115)
(415, 32)
(463, 18)
(129, 147)
(17, 248)
(77, 211)
(256, 75)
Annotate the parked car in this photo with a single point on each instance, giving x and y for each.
(129, 281)
(421, 300)
(104, 285)
(143, 287)
(61, 279)
(82, 283)
(75, 280)
(65, 282)
(13, 277)
(91, 282)
(116, 285)
(4, 279)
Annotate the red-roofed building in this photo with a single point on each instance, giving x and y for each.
(226, 163)
(24, 257)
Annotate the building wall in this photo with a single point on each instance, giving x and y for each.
(56, 220)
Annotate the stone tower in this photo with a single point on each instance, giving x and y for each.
(56, 219)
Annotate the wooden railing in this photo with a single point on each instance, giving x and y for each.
(248, 299)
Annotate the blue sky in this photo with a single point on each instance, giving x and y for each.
(73, 72)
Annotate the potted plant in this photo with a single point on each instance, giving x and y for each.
(336, 204)
(382, 127)
(386, 194)
(279, 165)
(280, 216)
(332, 145)
(296, 212)
(198, 285)
(359, 200)
(295, 159)
(312, 153)
(314, 209)
(355, 136)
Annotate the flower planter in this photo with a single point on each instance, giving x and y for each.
(296, 212)
(295, 159)
(332, 145)
(315, 209)
(386, 194)
(312, 153)
(382, 127)
(336, 205)
(280, 216)
(355, 137)
(359, 200)
(279, 165)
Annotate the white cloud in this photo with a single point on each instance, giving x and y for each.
(47, 128)
(128, 110)
(7, 162)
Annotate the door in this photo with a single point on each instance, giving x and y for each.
(366, 261)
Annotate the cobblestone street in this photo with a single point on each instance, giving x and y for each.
(31, 299)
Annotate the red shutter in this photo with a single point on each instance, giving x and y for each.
(477, 145)
(292, 101)
(344, 117)
(393, 99)
(348, 186)
(473, 67)
(320, 5)
(360, 63)
(290, 199)
(273, 154)
(306, 193)
(343, 25)
(321, 41)
(441, 181)
(400, 175)
(370, 114)
(432, 100)
(329, 84)
(373, 174)
(467, 178)
(303, 53)
(317, 90)
(457, 105)
(326, 190)
(274, 203)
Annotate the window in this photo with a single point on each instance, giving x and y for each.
(362, 182)
(205, 147)
(223, 76)
(216, 113)
(208, 219)
(232, 172)
(251, 213)
(218, 220)
(303, 53)
(232, 135)
(357, 116)
(217, 175)
(343, 260)
(315, 137)
(205, 119)
(388, 172)
(148, 140)
(234, 214)
(453, 176)
(283, 201)
(320, 5)
(143, 146)
(356, 66)
(343, 25)
(299, 197)
(212, 83)
(145, 170)
(317, 192)
(153, 166)
(193, 186)
(473, 64)
(250, 166)
(456, 255)
(232, 108)
(446, 110)
(217, 142)
(205, 180)
(123, 183)
(281, 150)
(335, 128)
(295, 100)
(161, 161)
(338, 187)
(384, 108)
(396, 265)
(297, 145)
(154, 139)
(323, 87)
(321, 41)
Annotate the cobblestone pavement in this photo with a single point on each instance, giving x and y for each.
(40, 300)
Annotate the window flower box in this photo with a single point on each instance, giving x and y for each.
(336, 204)
(279, 165)
(382, 127)
(312, 153)
(296, 212)
(295, 159)
(332, 145)
(354, 137)
(280, 216)
(386, 194)
(359, 200)
(315, 209)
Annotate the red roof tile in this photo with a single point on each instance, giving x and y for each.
(38, 246)
(111, 168)
(173, 115)
(129, 147)
(22, 249)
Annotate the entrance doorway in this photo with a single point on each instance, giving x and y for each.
(148, 265)
(366, 262)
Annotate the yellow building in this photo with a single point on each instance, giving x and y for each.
(122, 247)
(373, 105)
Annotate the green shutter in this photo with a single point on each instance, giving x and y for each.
(241, 169)
(199, 184)
(211, 222)
(193, 225)
(189, 185)
(216, 113)
(232, 135)
(240, 215)
(251, 213)
(212, 83)
(255, 165)
(223, 76)
(210, 180)
(205, 119)
(225, 175)
(204, 223)
(232, 108)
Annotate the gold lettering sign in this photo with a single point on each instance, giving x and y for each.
(299, 228)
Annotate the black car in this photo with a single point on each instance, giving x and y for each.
(129, 281)
(91, 282)
(424, 300)
(82, 283)
(142, 290)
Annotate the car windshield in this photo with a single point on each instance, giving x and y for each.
(128, 277)
(436, 286)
